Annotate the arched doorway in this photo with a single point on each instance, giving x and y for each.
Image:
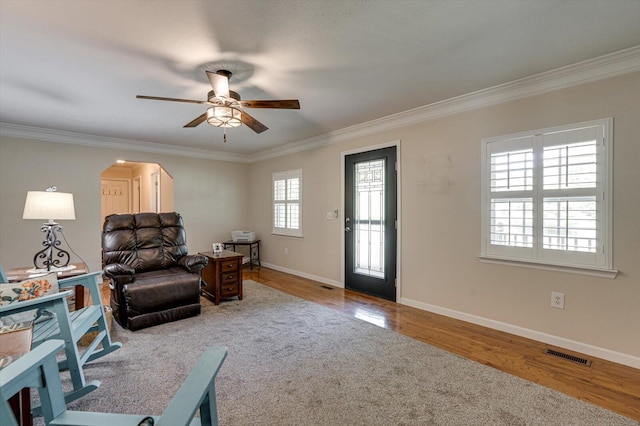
(134, 187)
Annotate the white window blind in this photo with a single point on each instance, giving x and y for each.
(546, 196)
(287, 203)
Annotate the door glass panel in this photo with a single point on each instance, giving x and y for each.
(369, 218)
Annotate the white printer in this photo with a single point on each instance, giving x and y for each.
(243, 236)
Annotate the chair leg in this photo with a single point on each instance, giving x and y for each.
(36, 410)
(72, 358)
(107, 345)
(77, 393)
(105, 351)
(209, 408)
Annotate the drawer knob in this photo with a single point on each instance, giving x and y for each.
(230, 276)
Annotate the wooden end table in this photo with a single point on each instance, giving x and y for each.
(222, 276)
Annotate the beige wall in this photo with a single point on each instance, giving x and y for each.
(166, 192)
(210, 195)
(440, 219)
(317, 255)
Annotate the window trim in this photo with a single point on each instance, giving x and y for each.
(603, 268)
(285, 175)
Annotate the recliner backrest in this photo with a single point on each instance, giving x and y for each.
(144, 241)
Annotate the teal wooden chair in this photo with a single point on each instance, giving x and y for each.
(38, 369)
(70, 327)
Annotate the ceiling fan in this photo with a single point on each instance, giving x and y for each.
(225, 105)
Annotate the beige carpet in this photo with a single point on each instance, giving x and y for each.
(293, 362)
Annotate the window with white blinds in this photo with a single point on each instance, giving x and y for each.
(546, 196)
(287, 203)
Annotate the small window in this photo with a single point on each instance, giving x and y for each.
(546, 196)
(287, 203)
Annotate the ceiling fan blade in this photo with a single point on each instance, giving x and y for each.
(156, 98)
(219, 82)
(282, 104)
(198, 120)
(252, 123)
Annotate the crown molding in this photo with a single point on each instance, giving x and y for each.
(607, 66)
(51, 135)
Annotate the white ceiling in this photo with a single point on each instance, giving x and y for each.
(76, 66)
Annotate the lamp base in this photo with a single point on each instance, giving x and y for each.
(52, 256)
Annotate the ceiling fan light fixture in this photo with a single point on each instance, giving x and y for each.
(224, 116)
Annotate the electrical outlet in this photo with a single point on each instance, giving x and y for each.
(286, 250)
(557, 300)
(329, 215)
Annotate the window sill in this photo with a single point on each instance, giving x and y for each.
(276, 234)
(594, 272)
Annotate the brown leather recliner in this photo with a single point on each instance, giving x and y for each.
(152, 278)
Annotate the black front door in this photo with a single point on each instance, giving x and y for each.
(370, 222)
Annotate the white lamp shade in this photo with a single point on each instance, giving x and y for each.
(49, 205)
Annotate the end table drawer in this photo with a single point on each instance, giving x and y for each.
(229, 277)
(229, 266)
(229, 290)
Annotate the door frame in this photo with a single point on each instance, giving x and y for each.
(155, 191)
(343, 154)
(136, 197)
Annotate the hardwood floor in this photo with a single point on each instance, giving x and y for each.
(604, 383)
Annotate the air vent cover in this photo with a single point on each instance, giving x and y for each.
(578, 360)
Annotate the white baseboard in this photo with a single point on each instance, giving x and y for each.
(303, 275)
(561, 342)
(584, 348)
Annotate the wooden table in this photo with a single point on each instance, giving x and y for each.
(14, 344)
(21, 273)
(254, 249)
(222, 276)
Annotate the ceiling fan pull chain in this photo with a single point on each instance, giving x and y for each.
(225, 134)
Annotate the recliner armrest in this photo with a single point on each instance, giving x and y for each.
(119, 272)
(193, 263)
(118, 269)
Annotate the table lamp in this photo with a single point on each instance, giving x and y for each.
(50, 205)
